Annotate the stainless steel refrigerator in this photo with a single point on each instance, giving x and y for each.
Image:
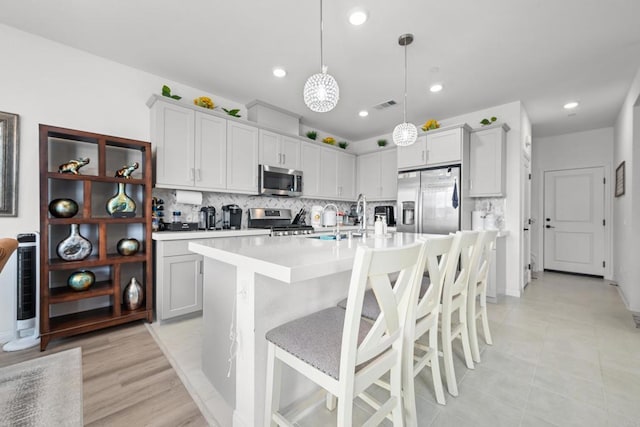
(429, 200)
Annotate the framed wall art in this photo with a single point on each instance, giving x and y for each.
(8, 164)
(620, 180)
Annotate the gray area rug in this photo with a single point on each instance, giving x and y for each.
(46, 391)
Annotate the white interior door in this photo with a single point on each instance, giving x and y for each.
(574, 220)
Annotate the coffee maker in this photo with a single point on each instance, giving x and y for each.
(231, 217)
(207, 218)
(387, 214)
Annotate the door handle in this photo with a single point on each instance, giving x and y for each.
(549, 226)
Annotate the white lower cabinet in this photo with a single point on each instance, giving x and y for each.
(178, 279)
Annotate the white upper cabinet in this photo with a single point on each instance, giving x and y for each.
(329, 173)
(414, 155)
(242, 158)
(437, 147)
(310, 166)
(210, 152)
(346, 176)
(487, 161)
(173, 145)
(279, 150)
(377, 175)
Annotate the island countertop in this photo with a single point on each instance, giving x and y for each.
(294, 258)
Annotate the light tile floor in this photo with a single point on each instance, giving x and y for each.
(566, 353)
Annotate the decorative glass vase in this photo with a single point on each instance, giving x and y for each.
(81, 280)
(128, 247)
(133, 295)
(74, 247)
(121, 205)
(63, 208)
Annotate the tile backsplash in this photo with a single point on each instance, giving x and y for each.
(217, 200)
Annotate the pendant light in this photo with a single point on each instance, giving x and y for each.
(405, 133)
(321, 91)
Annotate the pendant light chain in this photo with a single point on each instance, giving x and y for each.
(405, 133)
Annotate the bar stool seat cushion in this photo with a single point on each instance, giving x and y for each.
(317, 339)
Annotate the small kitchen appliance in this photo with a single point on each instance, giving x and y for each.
(207, 218)
(316, 216)
(231, 217)
(278, 220)
(386, 212)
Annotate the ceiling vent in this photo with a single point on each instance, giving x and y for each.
(385, 105)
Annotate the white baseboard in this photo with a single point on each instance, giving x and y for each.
(6, 336)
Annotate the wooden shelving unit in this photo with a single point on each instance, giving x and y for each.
(63, 311)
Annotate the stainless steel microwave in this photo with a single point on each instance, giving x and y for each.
(273, 181)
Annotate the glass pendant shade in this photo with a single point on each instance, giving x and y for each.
(321, 92)
(405, 134)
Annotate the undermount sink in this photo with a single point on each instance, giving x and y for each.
(327, 236)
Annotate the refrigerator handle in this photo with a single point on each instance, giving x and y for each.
(419, 212)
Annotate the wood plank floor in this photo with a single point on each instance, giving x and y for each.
(127, 380)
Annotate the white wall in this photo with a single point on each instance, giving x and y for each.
(626, 209)
(592, 148)
(49, 83)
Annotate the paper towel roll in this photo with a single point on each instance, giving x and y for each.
(189, 197)
(477, 220)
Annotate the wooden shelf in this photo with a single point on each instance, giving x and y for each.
(65, 294)
(98, 220)
(57, 264)
(106, 153)
(95, 178)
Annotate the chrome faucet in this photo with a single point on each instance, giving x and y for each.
(361, 211)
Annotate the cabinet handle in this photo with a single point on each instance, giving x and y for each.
(199, 174)
(470, 184)
(423, 153)
(279, 158)
(284, 159)
(191, 173)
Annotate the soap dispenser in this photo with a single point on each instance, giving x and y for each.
(379, 226)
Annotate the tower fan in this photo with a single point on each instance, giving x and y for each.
(27, 302)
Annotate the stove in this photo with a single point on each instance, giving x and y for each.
(278, 221)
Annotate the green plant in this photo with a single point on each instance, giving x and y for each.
(343, 144)
(485, 122)
(382, 142)
(312, 134)
(233, 112)
(166, 91)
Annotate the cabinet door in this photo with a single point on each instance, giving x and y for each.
(290, 150)
(486, 163)
(388, 175)
(174, 146)
(328, 173)
(270, 148)
(346, 176)
(210, 152)
(444, 147)
(414, 155)
(369, 175)
(242, 158)
(310, 166)
(182, 290)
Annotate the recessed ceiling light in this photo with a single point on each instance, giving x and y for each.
(571, 105)
(279, 72)
(358, 17)
(436, 87)
(363, 113)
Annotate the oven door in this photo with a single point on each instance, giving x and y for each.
(274, 181)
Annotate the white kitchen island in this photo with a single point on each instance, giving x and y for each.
(261, 282)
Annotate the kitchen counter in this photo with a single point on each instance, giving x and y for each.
(255, 283)
(204, 234)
